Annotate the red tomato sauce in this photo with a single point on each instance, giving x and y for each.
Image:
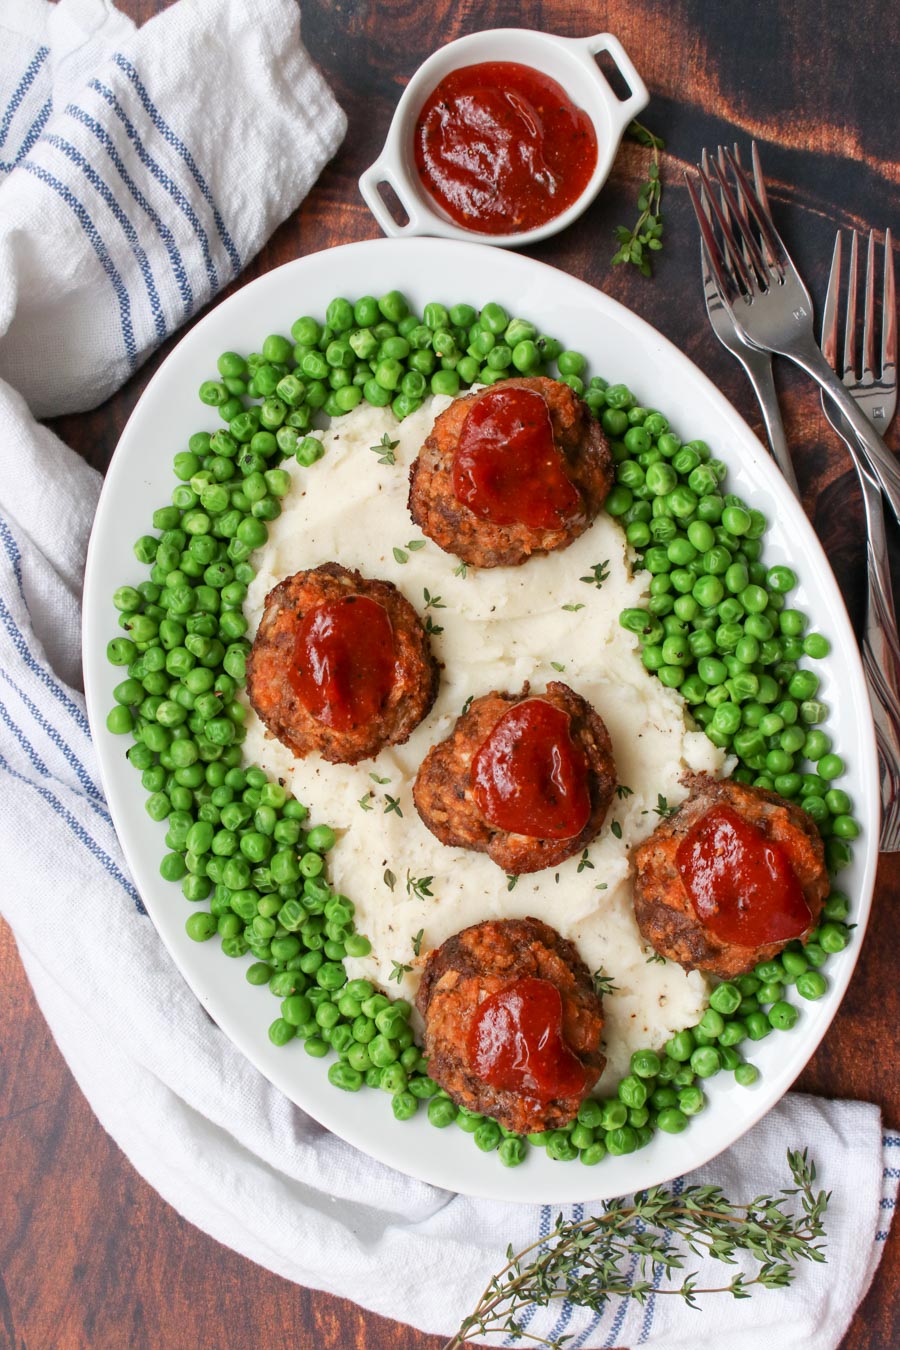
(516, 1042)
(502, 148)
(507, 468)
(529, 777)
(741, 884)
(344, 660)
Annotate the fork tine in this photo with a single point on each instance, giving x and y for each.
(710, 247)
(742, 206)
(850, 320)
(771, 238)
(830, 314)
(889, 310)
(740, 218)
(868, 364)
(759, 184)
(758, 181)
(731, 252)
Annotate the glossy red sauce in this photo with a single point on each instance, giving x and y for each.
(741, 884)
(507, 468)
(502, 148)
(516, 1042)
(529, 777)
(343, 666)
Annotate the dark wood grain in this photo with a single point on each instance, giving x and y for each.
(89, 1254)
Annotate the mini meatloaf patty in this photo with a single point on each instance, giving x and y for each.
(444, 791)
(664, 910)
(435, 508)
(485, 960)
(271, 691)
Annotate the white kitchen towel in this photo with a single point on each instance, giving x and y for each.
(144, 169)
(221, 99)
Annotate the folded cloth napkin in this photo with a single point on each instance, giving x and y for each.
(142, 169)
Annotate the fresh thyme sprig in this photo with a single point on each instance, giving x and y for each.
(385, 450)
(420, 887)
(603, 983)
(613, 1255)
(637, 244)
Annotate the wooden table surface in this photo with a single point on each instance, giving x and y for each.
(89, 1254)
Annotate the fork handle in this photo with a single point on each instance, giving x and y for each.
(882, 463)
(759, 373)
(886, 717)
(881, 660)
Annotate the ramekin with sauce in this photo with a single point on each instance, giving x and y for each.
(503, 137)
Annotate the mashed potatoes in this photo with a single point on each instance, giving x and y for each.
(556, 617)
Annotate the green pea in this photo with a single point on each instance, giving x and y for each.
(758, 1026)
(811, 985)
(691, 1101)
(560, 1147)
(725, 999)
(442, 1112)
(512, 1151)
(632, 1090)
(830, 766)
(705, 1061)
(746, 1074)
(672, 1120)
(735, 1031)
(832, 937)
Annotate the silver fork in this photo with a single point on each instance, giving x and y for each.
(769, 304)
(877, 397)
(757, 364)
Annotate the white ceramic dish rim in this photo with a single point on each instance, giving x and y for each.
(625, 348)
(570, 61)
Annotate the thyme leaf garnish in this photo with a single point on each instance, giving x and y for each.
(420, 887)
(385, 450)
(598, 574)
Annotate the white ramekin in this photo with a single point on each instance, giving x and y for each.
(569, 61)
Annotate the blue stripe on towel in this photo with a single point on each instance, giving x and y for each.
(96, 182)
(98, 807)
(31, 136)
(53, 734)
(100, 249)
(80, 833)
(169, 136)
(21, 90)
(543, 1232)
(162, 228)
(650, 1310)
(612, 1338)
(163, 179)
(568, 1308)
(12, 552)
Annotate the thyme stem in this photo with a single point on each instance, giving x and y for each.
(584, 1261)
(636, 245)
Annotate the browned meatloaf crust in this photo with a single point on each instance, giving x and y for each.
(481, 961)
(445, 800)
(662, 906)
(436, 510)
(270, 692)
